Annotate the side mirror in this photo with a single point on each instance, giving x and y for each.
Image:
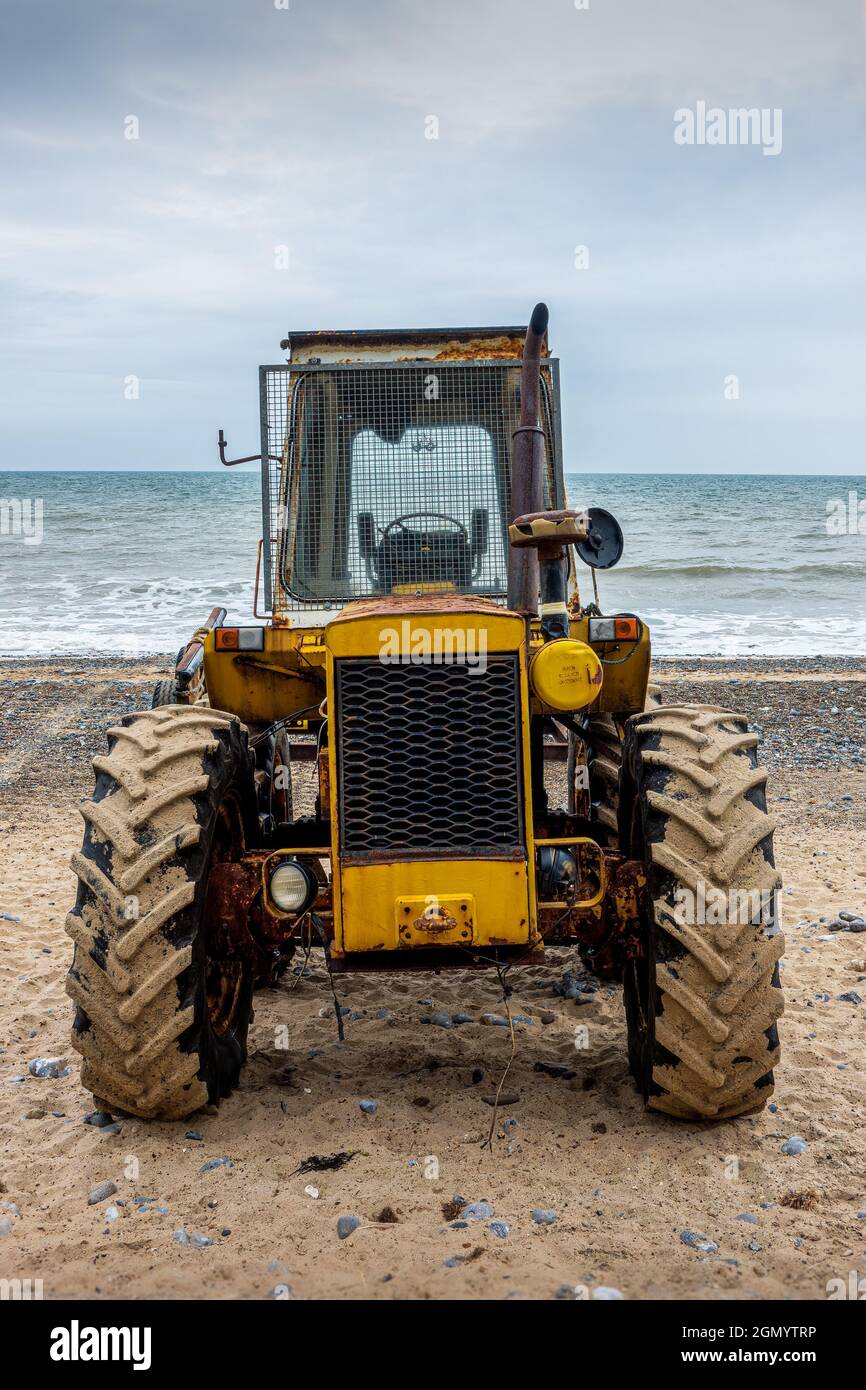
(366, 535)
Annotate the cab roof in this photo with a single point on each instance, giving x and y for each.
(406, 345)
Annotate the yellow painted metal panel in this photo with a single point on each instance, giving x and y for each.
(626, 668)
(366, 895)
(261, 687)
(373, 898)
(397, 626)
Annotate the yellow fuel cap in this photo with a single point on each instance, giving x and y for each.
(565, 674)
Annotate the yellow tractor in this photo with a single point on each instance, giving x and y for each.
(425, 657)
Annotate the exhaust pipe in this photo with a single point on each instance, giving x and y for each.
(527, 468)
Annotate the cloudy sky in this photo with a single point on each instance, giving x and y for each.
(306, 127)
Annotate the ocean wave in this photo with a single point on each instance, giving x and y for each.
(704, 570)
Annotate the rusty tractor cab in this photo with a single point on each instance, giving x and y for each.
(492, 773)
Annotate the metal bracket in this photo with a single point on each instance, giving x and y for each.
(222, 444)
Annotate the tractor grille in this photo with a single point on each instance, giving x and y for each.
(429, 759)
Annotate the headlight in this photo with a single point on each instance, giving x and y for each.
(292, 886)
(556, 870)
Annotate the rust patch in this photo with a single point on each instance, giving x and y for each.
(609, 932)
(420, 603)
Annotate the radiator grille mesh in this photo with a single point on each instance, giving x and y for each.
(429, 758)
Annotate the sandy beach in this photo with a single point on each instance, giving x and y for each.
(624, 1185)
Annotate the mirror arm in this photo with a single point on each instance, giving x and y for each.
(222, 444)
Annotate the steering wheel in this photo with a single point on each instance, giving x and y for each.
(411, 516)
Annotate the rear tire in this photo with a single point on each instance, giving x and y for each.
(162, 1011)
(164, 693)
(703, 1000)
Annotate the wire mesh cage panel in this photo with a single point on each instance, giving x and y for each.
(394, 478)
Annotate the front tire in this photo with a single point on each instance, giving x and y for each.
(162, 1010)
(605, 761)
(703, 998)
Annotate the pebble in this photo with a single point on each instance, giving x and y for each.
(461, 1018)
(346, 1225)
(182, 1238)
(547, 1018)
(101, 1193)
(216, 1163)
(311, 1191)
(194, 1134)
(499, 1228)
(494, 1021)
(794, 1145)
(478, 1211)
(112, 1213)
(747, 1216)
(5, 1226)
(850, 997)
(699, 1242)
(453, 1261)
(442, 1020)
(543, 1216)
(98, 1118)
(369, 1107)
(51, 1067)
(556, 1069)
(606, 1294)
(571, 987)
